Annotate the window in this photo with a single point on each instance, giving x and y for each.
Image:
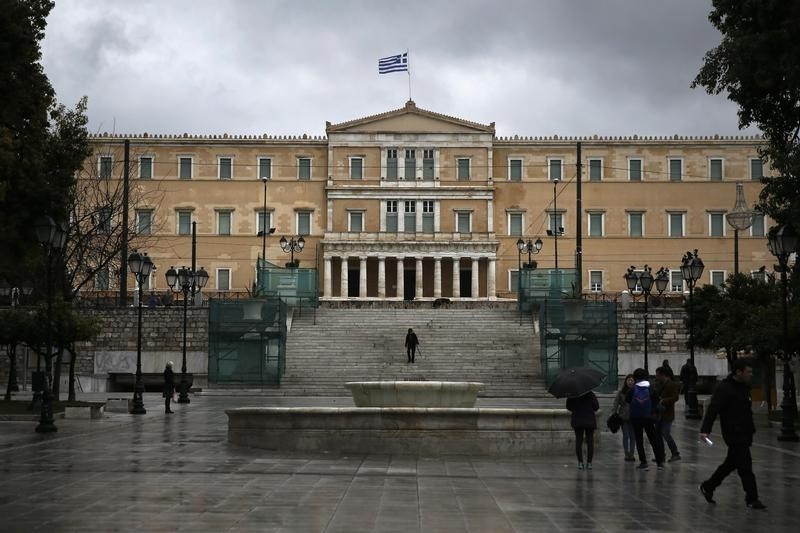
(463, 222)
(224, 222)
(554, 169)
(145, 168)
(144, 221)
(675, 281)
(185, 168)
(356, 168)
(356, 221)
(513, 281)
(304, 223)
(635, 224)
(304, 168)
(463, 168)
(515, 169)
(223, 279)
(515, 224)
(596, 280)
(225, 168)
(675, 169)
(102, 279)
(757, 229)
(391, 216)
(634, 169)
(263, 221)
(676, 224)
(106, 163)
(718, 278)
(716, 225)
(184, 222)
(756, 169)
(104, 220)
(595, 169)
(427, 216)
(411, 164)
(556, 223)
(427, 164)
(265, 168)
(595, 224)
(715, 169)
(410, 220)
(391, 164)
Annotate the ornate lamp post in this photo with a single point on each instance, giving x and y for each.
(691, 270)
(186, 281)
(782, 242)
(290, 246)
(644, 280)
(52, 237)
(140, 266)
(740, 218)
(531, 248)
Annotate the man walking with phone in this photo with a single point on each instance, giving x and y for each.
(731, 400)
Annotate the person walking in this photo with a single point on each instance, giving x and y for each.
(169, 387)
(667, 391)
(688, 379)
(643, 403)
(584, 423)
(623, 409)
(665, 366)
(732, 402)
(411, 344)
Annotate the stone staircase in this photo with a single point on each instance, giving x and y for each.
(486, 345)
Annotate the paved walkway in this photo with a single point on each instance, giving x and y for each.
(178, 473)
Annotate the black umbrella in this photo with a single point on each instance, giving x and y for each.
(574, 382)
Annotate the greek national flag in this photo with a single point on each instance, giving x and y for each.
(398, 63)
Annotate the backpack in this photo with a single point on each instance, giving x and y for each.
(641, 403)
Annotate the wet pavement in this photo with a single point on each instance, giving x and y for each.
(158, 472)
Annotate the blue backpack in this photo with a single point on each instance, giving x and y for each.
(641, 404)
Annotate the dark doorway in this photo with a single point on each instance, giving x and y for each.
(353, 279)
(409, 284)
(465, 283)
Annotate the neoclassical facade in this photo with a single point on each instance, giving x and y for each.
(413, 204)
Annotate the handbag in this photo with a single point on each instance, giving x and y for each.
(614, 422)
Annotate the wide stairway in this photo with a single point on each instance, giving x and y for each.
(486, 345)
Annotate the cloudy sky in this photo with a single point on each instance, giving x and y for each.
(535, 67)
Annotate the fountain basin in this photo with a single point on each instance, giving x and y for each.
(414, 393)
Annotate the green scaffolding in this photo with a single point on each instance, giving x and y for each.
(576, 332)
(295, 286)
(537, 285)
(247, 341)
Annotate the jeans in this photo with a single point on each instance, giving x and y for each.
(410, 352)
(628, 438)
(656, 442)
(579, 433)
(738, 459)
(665, 426)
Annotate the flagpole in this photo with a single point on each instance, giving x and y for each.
(409, 74)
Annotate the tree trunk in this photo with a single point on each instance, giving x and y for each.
(11, 349)
(71, 350)
(57, 373)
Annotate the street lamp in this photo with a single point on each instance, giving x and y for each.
(740, 218)
(140, 266)
(290, 246)
(644, 281)
(185, 280)
(782, 243)
(691, 269)
(556, 230)
(52, 237)
(532, 248)
(264, 231)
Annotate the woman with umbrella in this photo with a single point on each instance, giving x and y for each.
(576, 385)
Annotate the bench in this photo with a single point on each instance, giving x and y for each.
(153, 381)
(84, 411)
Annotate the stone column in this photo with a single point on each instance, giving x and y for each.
(343, 290)
(491, 289)
(437, 277)
(381, 277)
(401, 280)
(362, 277)
(475, 286)
(418, 292)
(456, 277)
(327, 281)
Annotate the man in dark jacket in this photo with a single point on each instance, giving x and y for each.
(731, 400)
(411, 344)
(688, 379)
(169, 387)
(667, 391)
(643, 413)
